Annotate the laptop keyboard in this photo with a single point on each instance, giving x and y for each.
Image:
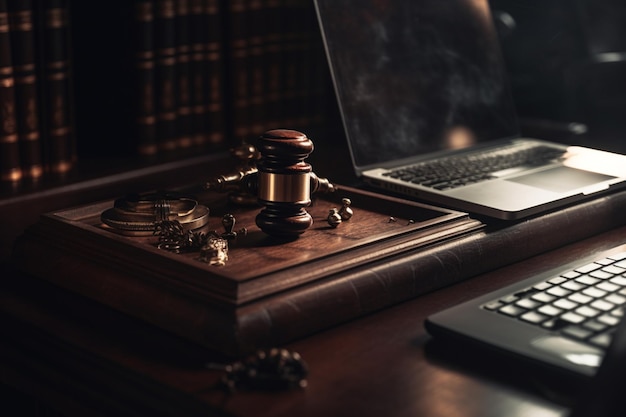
(456, 171)
(585, 303)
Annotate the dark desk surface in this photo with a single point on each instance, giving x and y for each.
(86, 360)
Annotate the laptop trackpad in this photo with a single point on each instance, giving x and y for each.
(561, 179)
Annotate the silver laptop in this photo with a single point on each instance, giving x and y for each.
(427, 111)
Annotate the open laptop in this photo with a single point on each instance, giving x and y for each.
(419, 81)
(568, 320)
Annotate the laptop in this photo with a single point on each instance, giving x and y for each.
(427, 112)
(568, 319)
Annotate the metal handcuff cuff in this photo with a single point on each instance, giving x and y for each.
(140, 214)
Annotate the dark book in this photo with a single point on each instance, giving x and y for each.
(198, 70)
(10, 169)
(183, 74)
(165, 72)
(144, 82)
(239, 66)
(290, 39)
(215, 72)
(272, 53)
(298, 78)
(256, 28)
(21, 22)
(57, 99)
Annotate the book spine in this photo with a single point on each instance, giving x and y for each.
(298, 64)
(273, 63)
(21, 22)
(57, 112)
(310, 71)
(166, 84)
(145, 118)
(198, 38)
(290, 38)
(256, 69)
(239, 67)
(10, 170)
(215, 68)
(183, 73)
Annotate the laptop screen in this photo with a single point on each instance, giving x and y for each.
(415, 76)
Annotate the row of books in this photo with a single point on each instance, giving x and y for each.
(178, 85)
(36, 133)
(149, 77)
(164, 77)
(277, 64)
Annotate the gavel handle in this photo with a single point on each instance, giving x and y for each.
(321, 185)
(246, 181)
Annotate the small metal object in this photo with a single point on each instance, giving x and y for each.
(346, 211)
(392, 219)
(411, 221)
(228, 221)
(174, 238)
(271, 369)
(334, 218)
(140, 214)
(162, 210)
(170, 205)
(215, 251)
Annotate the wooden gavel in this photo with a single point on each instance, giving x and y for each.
(280, 180)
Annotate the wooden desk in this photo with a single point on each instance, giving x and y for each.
(381, 364)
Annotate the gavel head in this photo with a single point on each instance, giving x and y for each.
(284, 151)
(284, 185)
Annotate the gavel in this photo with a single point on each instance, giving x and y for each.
(277, 178)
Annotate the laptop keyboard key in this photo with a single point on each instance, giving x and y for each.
(572, 318)
(577, 332)
(602, 340)
(587, 280)
(565, 304)
(609, 320)
(559, 291)
(528, 303)
(550, 310)
(595, 325)
(587, 311)
(533, 317)
(594, 292)
(580, 298)
(512, 310)
(585, 269)
(543, 297)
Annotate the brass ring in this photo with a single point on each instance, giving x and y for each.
(139, 224)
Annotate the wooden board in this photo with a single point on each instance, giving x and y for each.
(179, 292)
(259, 264)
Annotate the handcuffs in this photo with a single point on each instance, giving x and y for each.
(140, 214)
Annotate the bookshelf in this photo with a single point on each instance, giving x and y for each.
(143, 92)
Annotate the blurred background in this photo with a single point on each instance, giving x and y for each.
(567, 64)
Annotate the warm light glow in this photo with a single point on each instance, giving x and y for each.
(459, 137)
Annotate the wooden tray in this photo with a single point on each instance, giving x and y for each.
(179, 292)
